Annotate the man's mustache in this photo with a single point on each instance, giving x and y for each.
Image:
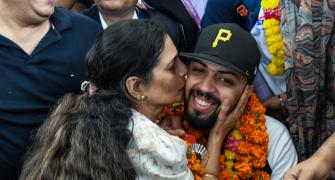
(207, 96)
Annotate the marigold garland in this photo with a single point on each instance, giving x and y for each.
(195, 165)
(274, 39)
(244, 153)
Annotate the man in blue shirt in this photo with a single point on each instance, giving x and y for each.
(241, 12)
(41, 58)
(107, 12)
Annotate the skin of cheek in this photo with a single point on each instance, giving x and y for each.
(165, 89)
(231, 94)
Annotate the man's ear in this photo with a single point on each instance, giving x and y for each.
(135, 87)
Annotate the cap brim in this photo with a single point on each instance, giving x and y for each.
(209, 58)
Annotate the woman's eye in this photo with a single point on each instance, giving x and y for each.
(173, 67)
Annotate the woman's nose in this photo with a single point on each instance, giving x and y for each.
(182, 69)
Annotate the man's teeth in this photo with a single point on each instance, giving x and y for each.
(202, 102)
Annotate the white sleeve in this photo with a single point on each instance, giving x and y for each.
(157, 155)
(282, 154)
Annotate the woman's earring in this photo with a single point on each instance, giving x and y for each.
(143, 97)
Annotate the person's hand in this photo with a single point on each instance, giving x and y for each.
(274, 103)
(225, 121)
(173, 125)
(314, 168)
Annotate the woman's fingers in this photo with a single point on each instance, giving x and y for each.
(244, 98)
(227, 118)
(176, 132)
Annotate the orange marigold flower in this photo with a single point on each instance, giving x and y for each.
(244, 169)
(258, 137)
(221, 159)
(243, 148)
(261, 175)
(195, 166)
(259, 162)
(225, 175)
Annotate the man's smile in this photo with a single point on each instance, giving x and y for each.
(201, 102)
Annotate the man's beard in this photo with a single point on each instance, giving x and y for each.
(194, 119)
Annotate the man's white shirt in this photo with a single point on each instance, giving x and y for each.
(105, 25)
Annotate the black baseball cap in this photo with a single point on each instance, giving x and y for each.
(229, 45)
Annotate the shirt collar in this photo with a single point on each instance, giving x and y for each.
(103, 22)
(105, 25)
(60, 20)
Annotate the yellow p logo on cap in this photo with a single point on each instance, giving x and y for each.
(223, 35)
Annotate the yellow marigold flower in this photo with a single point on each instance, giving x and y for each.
(272, 49)
(279, 62)
(278, 40)
(281, 70)
(270, 4)
(268, 33)
(229, 165)
(281, 52)
(272, 69)
(267, 23)
(276, 27)
(274, 41)
(271, 23)
(230, 155)
(236, 135)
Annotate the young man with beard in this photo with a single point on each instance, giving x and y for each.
(224, 62)
(270, 88)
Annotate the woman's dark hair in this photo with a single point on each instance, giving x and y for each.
(86, 137)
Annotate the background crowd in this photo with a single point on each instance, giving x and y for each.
(49, 47)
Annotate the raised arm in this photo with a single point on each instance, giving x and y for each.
(317, 166)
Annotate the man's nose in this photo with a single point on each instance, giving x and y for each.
(207, 85)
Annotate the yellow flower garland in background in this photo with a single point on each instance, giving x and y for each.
(274, 39)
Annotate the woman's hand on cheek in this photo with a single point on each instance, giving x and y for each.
(226, 121)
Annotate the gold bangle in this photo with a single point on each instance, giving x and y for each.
(282, 103)
(210, 175)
